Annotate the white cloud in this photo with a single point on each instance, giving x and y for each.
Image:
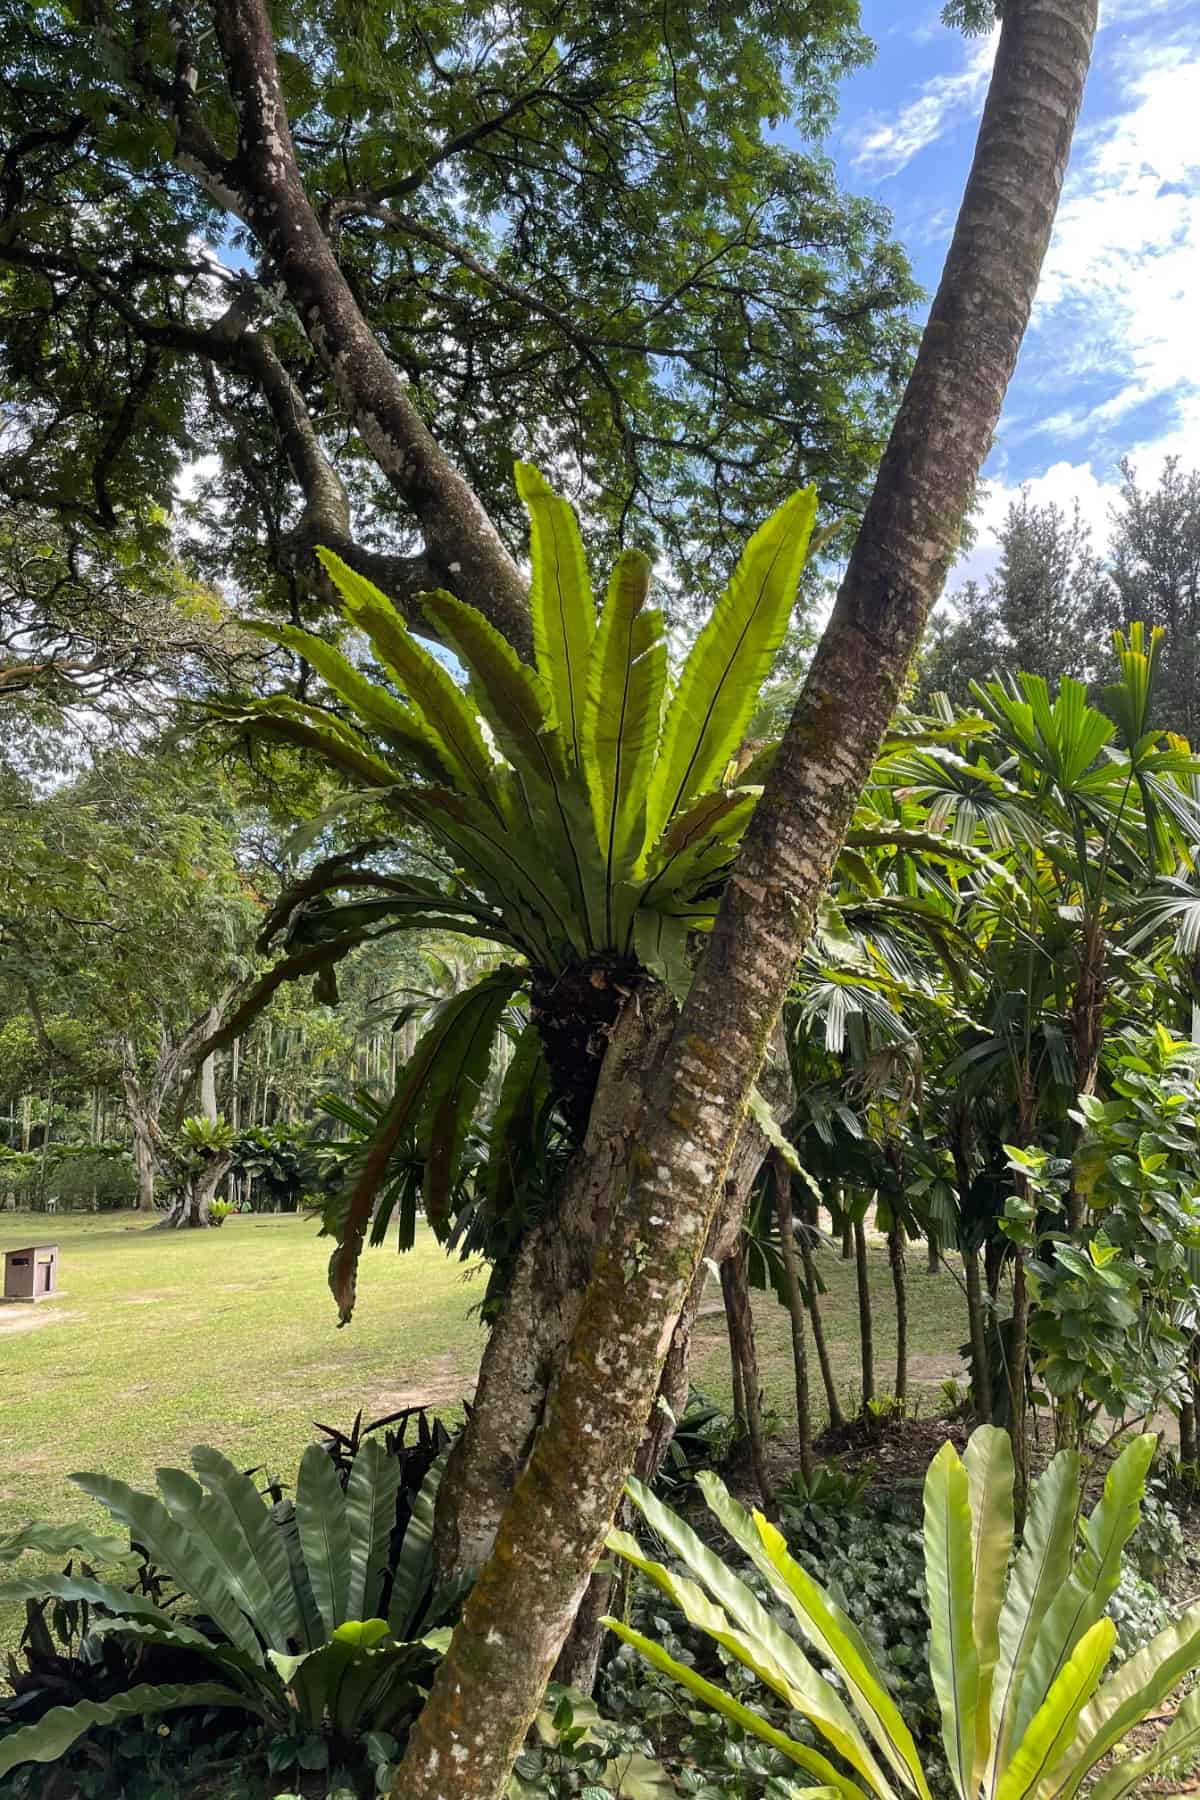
(1123, 272)
(882, 145)
(1062, 484)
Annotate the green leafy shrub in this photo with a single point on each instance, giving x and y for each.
(279, 1615)
(1017, 1659)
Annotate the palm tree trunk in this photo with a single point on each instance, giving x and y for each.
(1017, 1408)
(866, 1319)
(933, 1253)
(837, 1417)
(781, 1180)
(735, 1287)
(899, 1268)
(981, 1375)
(682, 1131)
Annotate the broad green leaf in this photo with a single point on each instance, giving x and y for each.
(729, 662)
(1136, 1689)
(63, 1540)
(405, 730)
(217, 1531)
(831, 1633)
(98, 1593)
(57, 1730)
(1084, 1596)
(510, 864)
(661, 944)
(949, 1579)
(729, 1708)
(758, 1641)
(561, 608)
(292, 722)
(445, 713)
(414, 1564)
(1053, 1725)
(990, 1475)
(324, 1535)
(512, 698)
(401, 1116)
(371, 1515)
(178, 1551)
(760, 1111)
(453, 1086)
(699, 841)
(524, 1092)
(627, 675)
(1179, 1743)
(1041, 1567)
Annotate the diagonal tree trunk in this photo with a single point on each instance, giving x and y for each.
(490, 1684)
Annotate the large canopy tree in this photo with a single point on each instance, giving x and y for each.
(353, 258)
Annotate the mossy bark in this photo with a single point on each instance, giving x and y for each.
(488, 1687)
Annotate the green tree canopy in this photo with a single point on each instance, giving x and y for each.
(578, 234)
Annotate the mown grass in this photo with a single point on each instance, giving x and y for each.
(160, 1340)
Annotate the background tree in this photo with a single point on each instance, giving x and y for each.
(1043, 611)
(1155, 574)
(537, 232)
(123, 900)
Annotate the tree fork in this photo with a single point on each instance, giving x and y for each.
(488, 1689)
(461, 542)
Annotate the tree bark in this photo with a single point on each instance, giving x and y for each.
(530, 1336)
(981, 1374)
(781, 1181)
(490, 1683)
(1017, 1355)
(462, 545)
(899, 1268)
(191, 1208)
(866, 1317)
(837, 1417)
(739, 1318)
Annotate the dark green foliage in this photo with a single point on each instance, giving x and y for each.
(598, 212)
(271, 1612)
(701, 1440)
(1044, 611)
(283, 1163)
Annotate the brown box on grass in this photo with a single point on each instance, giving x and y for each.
(32, 1273)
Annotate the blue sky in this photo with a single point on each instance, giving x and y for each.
(1111, 363)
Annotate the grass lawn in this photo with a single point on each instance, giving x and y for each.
(159, 1341)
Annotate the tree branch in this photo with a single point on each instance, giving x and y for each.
(461, 542)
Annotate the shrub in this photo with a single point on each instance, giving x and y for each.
(1016, 1658)
(279, 1618)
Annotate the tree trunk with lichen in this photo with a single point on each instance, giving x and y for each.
(665, 1195)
